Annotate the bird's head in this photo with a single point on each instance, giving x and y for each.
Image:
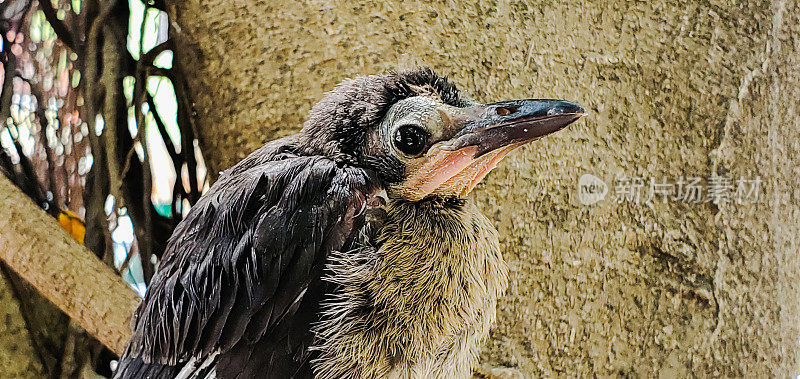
(416, 132)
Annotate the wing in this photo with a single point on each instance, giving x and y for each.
(238, 267)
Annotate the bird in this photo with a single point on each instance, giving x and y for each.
(348, 249)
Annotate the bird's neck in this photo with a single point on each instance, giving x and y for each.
(441, 253)
(423, 297)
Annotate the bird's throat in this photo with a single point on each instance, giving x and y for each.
(451, 173)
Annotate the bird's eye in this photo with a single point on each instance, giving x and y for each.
(410, 139)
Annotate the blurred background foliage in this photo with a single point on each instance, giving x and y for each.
(97, 129)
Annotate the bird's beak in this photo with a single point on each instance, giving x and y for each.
(489, 127)
(483, 135)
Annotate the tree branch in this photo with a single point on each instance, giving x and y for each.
(62, 32)
(187, 126)
(35, 247)
(148, 57)
(162, 130)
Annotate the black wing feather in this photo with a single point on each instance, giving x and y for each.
(239, 265)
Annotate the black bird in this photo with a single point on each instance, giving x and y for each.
(346, 250)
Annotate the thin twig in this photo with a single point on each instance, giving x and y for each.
(147, 58)
(187, 127)
(9, 67)
(127, 162)
(62, 32)
(178, 192)
(145, 237)
(162, 129)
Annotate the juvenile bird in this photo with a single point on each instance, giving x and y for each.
(346, 250)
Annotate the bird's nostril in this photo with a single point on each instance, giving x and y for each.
(502, 111)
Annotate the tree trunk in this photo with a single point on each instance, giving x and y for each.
(34, 246)
(673, 89)
(19, 357)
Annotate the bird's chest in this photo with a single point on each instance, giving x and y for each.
(417, 304)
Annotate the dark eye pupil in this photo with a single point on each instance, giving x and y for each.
(410, 139)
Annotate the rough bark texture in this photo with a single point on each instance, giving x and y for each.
(673, 89)
(34, 246)
(18, 358)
